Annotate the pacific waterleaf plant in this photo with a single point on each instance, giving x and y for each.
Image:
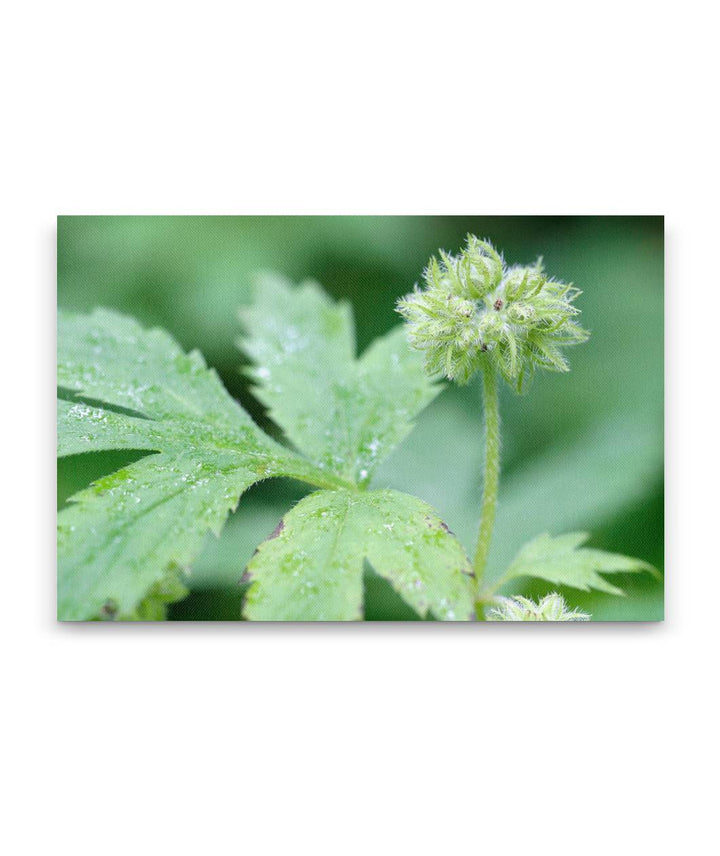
(476, 314)
(127, 542)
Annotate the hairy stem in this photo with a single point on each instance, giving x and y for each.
(491, 473)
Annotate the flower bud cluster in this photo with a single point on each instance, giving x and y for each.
(551, 608)
(475, 310)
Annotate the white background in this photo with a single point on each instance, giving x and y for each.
(361, 739)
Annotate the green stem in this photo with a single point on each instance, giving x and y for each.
(491, 474)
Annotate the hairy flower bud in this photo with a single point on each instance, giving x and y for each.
(551, 608)
(483, 266)
(475, 311)
(444, 326)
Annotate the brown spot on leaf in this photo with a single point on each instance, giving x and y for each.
(498, 305)
(276, 531)
(444, 526)
(109, 610)
(246, 578)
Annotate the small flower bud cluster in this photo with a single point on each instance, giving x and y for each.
(551, 608)
(474, 310)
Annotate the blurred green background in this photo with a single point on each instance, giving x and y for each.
(580, 451)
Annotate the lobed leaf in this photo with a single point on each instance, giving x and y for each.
(346, 414)
(109, 357)
(563, 561)
(117, 539)
(82, 428)
(311, 567)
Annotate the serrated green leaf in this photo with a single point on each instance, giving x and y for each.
(311, 567)
(117, 539)
(347, 414)
(563, 561)
(82, 428)
(110, 357)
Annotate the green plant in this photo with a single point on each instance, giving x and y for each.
(126, 543)
(478, 315)
(551, 608)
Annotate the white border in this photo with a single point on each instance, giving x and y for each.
(330, 740)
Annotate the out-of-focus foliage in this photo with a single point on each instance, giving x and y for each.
(582, 451)
(564, 561)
